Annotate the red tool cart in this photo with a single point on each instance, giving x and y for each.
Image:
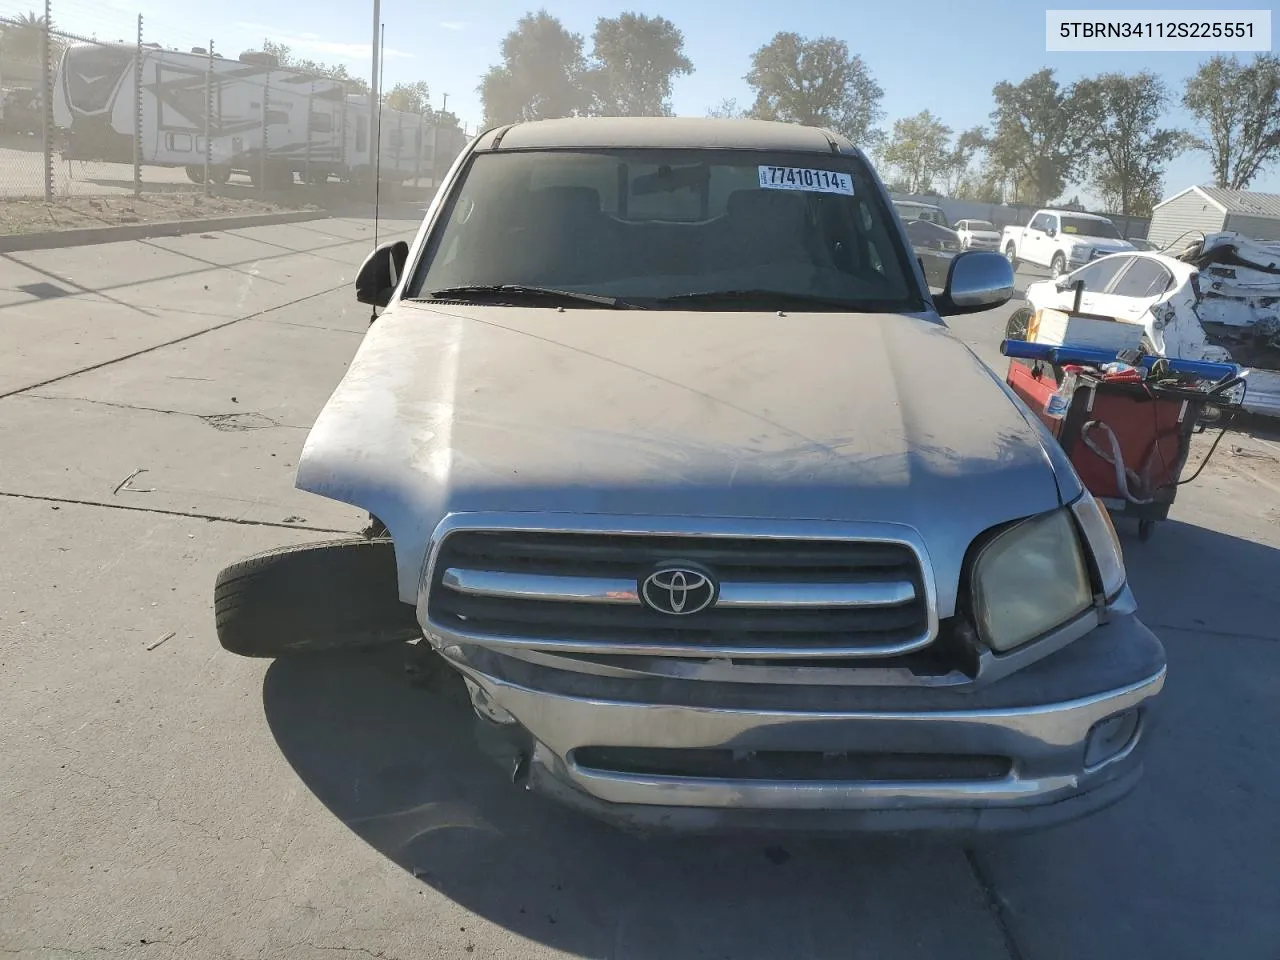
(1127, 437)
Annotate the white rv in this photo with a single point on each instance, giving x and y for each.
(95, 102)
(409, 144)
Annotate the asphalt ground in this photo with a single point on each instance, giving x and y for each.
(161, 798)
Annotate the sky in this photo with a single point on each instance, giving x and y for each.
(940, 55)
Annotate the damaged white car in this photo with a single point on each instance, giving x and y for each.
(1218, 300)
(653, 430)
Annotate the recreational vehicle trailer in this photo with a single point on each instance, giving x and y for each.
(95, 98)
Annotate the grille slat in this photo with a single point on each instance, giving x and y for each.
(617, 622)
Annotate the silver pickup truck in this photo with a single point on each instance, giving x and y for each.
(674, 460)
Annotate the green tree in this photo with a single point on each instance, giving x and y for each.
(634, 60)
(541, 75)
(22, 38)
(1238, 107)
(284, 56)
(726, 109)
(959, 159)
(1035, 139)
(1125, 149)
(918, 148)
(815, 82)
(409, 98)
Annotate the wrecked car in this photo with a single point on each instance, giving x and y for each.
(674, 460)
(1217, 299)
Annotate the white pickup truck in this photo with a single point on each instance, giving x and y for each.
(1062, 240)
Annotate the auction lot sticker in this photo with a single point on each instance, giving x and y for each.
(802, 178)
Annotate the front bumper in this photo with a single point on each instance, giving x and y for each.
(1263, 395)
(1049, 722)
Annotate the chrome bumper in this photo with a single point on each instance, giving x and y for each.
(1041, 719)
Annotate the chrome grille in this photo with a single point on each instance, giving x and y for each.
(778, 598)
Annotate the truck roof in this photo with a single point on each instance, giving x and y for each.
(1073, 213)
(665, 132)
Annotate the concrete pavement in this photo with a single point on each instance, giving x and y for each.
(160, 797)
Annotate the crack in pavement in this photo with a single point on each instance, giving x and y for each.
(995, 904)
(207, 417)
(211, 518)
(169, 343)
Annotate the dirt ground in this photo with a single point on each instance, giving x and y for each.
(18, 216)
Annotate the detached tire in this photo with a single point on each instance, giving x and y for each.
(336, 595)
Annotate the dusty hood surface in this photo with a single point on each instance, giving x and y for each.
(806, 416)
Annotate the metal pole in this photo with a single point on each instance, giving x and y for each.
(137, 114)
(262, 153)
(435, 145)
(208, 124)
(375, 89)
(311, 113)
(46, 100)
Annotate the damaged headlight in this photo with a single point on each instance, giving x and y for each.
(1028, 580)
(1104, 544)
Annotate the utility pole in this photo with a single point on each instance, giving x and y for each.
(435, 145)
(375, 90)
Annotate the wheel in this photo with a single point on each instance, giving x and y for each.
(339, 594)
(195, 174)
(1019, 323)
(1011, 255)
(1057, 266)
(219, 175)
(1145, 529)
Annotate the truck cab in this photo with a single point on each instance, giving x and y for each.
(1062, 240)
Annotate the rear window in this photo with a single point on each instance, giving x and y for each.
(643, 224)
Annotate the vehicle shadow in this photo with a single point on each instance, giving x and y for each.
(399, 766)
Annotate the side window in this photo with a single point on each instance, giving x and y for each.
(1096, 276)
(1040, 222)
(1145, 278)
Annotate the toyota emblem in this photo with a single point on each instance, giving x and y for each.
(678, 590)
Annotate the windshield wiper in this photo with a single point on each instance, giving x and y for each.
(517, 291)
(776, 299)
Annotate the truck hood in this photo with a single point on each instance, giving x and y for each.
(841, 417)
(1103, 245)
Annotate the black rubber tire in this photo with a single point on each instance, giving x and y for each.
(220, 175)
(339, 594)
(1057, 266)
(1011, 256)
(195, 174)
(1016, 327)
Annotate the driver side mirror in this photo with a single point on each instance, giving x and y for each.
(380, 273)
(1051, 231)
(977, 280)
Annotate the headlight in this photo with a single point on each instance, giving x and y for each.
(1029, 580)
(1103, 542)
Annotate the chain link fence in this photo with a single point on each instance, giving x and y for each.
(86, 119)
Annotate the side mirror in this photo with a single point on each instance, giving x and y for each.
(977, 280)
(1051, 231)
(380, 273)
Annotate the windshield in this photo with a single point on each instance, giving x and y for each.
(649, 225)
(1088, 227)
(981, 226)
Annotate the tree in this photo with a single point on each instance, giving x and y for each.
(1125, 150)
(409, 98)
(816, 82)
(1035, 137)
(634, 60)
(284, 55)
(541, 75)
(726, 109)
(956, 170)
(918, 149)
(22, 39)
(1239, 108)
